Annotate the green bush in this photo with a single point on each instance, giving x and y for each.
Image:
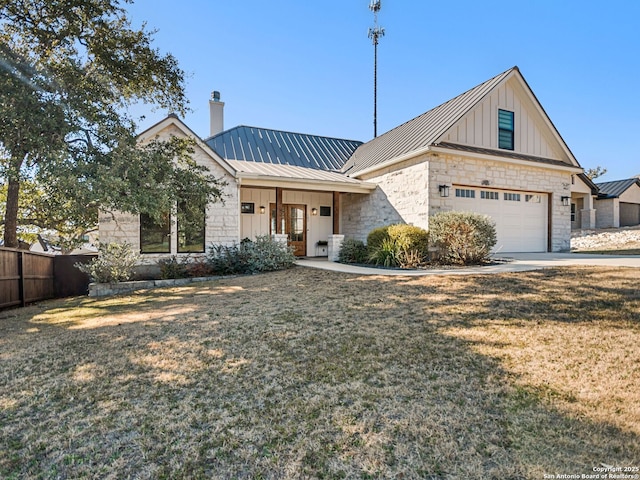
(352, 251)
(376, 237)
(261, 255)
(405, 246)
(386, 254)
(114, 264)
(463, 238)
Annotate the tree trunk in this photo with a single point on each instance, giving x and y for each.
(11, 211)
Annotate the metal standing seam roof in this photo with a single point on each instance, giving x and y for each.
(422, 131)
(291, 172)
(616, 188)
(254, 144)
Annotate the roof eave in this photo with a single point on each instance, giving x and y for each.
(247, 179)
(516, 161)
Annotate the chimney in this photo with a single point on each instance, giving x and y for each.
(216, 111)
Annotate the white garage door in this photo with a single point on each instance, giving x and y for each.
(520, 217)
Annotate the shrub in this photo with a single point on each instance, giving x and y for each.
(261, 255)
(352, 251)
(172, 267)
(405, 246)
(376, 237)
(114, 264)
(198, 268)
(386, 254)
(410, 237)
(462, 237)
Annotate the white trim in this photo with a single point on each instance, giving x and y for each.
(153, 131)
(393, 161)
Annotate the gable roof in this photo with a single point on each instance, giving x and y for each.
(418, 134)
(617, 187)
(253, 144)
(172, 119)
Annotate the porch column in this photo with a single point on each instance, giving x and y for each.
(278, 210)
(333, 247)
(336, 213)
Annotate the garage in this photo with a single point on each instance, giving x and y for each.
(520, 216)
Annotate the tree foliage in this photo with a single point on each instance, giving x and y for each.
(593, 173)
(69, 71)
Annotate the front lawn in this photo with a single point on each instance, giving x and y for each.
(313, 374)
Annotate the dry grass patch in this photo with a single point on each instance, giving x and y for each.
(315, 374)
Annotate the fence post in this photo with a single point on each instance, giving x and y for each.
(21, 292)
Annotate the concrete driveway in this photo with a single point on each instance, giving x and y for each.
(511, 262)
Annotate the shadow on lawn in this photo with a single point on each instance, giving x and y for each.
(302, 374)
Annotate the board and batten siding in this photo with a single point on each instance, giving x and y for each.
(318, 227)
(480, 126)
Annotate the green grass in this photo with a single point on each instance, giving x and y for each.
(314, 374)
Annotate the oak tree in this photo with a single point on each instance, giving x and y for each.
(69, 72)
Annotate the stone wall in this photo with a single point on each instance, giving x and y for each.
(408, 192)
(222, 218)
(401, 197)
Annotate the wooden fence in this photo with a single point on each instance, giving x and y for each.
(27, 277)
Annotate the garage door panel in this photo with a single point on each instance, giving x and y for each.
(521, 225)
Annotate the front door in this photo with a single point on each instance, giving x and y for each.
(294, 225)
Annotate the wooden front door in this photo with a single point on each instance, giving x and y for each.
(294, 225)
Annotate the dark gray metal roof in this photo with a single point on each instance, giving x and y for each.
(617, 187)
(422, 131)
(253, 144)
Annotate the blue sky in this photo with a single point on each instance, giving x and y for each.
(307, 66)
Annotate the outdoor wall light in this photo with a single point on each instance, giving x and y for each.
(262, 209)
(565, 201)
(444, 190)
(314, 211)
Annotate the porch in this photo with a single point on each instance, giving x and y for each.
(296, 204)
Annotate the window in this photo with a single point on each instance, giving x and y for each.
(325, 211)
(512, 197)
(573, 212)
(191, 228)
(489, 195)
(465, 193)
(247, 207)
(155, 237)
(532, 198)
(505, 129)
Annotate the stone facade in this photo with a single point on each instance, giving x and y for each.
(222, 218)
(408, 192)
(401, 197)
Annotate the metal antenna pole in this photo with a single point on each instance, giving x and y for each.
(374, 34)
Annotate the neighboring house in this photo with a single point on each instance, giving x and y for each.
(618, 203)
(583, 194)
(492, 150)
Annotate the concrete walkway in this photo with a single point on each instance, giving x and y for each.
(512, 262)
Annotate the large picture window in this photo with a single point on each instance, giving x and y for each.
(191, 228)
(155, 236)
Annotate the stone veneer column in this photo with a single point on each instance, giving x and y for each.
(334, 244)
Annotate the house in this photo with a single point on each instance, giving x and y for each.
(618, 203)
(491, 150)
